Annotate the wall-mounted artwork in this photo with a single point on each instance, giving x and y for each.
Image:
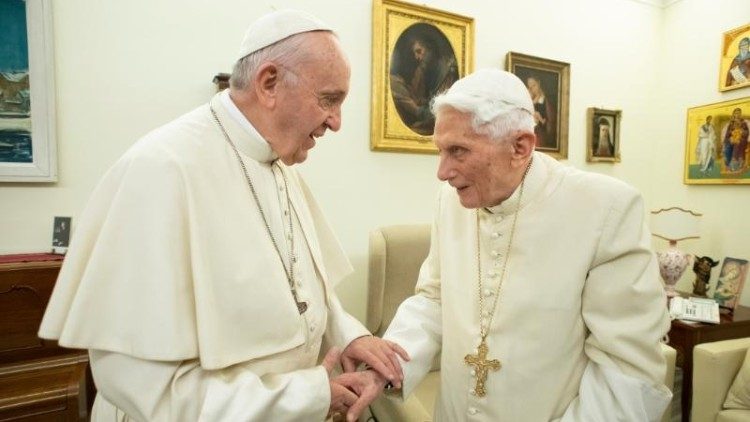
(603, 135)
(734, 69)
(27, 103)
(548, 82)
(418, 52)
(716, 149)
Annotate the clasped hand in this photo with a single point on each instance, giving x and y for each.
(352, 392)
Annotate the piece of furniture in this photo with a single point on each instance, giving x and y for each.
(39, 380)
(715, 365)
(684, 336)
(396, 254)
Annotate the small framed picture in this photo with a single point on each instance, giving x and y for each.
(60, 235)
(734, 67)
(730, 283)
(603, 135)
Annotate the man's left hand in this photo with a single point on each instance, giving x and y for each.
(380, 355)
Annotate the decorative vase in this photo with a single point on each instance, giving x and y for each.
(672, 263)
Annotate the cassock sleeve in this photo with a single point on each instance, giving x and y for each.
(182, 391)
(624, 309)
(417, 326)
(341, 328)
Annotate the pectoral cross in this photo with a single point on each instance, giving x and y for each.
(482, 366)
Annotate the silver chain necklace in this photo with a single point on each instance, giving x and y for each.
(301, 306)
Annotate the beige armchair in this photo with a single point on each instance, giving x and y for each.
(396, 254)
(715, 366)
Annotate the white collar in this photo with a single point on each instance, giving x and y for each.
(260, 145)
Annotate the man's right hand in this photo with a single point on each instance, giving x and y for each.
(341, 397)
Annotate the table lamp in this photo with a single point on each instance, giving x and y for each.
(674, 224)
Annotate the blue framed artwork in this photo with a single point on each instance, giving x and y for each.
(27, 106)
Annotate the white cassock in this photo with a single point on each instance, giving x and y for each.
(173, 283)
(580, 314)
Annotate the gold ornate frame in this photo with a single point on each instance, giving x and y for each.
(716, 167)
(729, 50)
(555, 79)
(613, 117)
(390, 21)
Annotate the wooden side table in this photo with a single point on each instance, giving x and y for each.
(683, 336)
(39, 380)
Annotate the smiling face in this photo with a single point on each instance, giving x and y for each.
(478, 167)
(310, 99)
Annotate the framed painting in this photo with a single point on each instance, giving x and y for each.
(716, 150)
(730, 283)
(548, 82)
(418, 52)
(734, 67)
(603, 135)
(28, 150)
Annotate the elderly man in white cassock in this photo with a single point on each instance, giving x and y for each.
(540, 288)
(202, 274)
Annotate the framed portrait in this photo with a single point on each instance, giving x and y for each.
(734, 67)
(27, 105)
(548, 82)
(730, 283)
(603, 135)
(418, 52)
(716, 149)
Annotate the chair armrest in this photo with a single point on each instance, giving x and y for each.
(715, 365)
(670, 355)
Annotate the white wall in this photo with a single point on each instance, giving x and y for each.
(124, 68)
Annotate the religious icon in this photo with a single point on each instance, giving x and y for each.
(731, 280)
(603, 140)
(735, 59)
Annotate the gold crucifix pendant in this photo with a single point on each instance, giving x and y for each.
(482, 366)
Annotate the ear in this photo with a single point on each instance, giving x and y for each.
(523, 146)
(266, 84)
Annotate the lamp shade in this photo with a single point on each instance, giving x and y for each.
(675, 224)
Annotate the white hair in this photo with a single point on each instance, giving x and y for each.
(489, 116)
(288, 53)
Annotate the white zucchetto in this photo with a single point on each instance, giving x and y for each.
(276, 26)
(496, 90)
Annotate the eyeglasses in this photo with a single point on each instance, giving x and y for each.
(326, 101)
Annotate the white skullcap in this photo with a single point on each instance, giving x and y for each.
(492, 92)
(276, 26)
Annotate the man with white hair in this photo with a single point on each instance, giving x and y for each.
(539, 289)
(202, 275)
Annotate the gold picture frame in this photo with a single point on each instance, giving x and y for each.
(734, 65)
(548, 82)
(405, 36)
(603, 135)
(716, 144)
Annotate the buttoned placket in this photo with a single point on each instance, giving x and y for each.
(287, 218)
(493, 249)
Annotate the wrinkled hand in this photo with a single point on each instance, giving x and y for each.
(379, 354)
(341, 397)
(366, 384)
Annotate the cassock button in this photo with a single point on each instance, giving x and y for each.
(488, 292)
(312, 328)
(473, 373)
(473, 411)
(472, 392)
(496, 235)
(495, 254)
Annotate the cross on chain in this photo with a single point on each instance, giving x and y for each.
(482, 366)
